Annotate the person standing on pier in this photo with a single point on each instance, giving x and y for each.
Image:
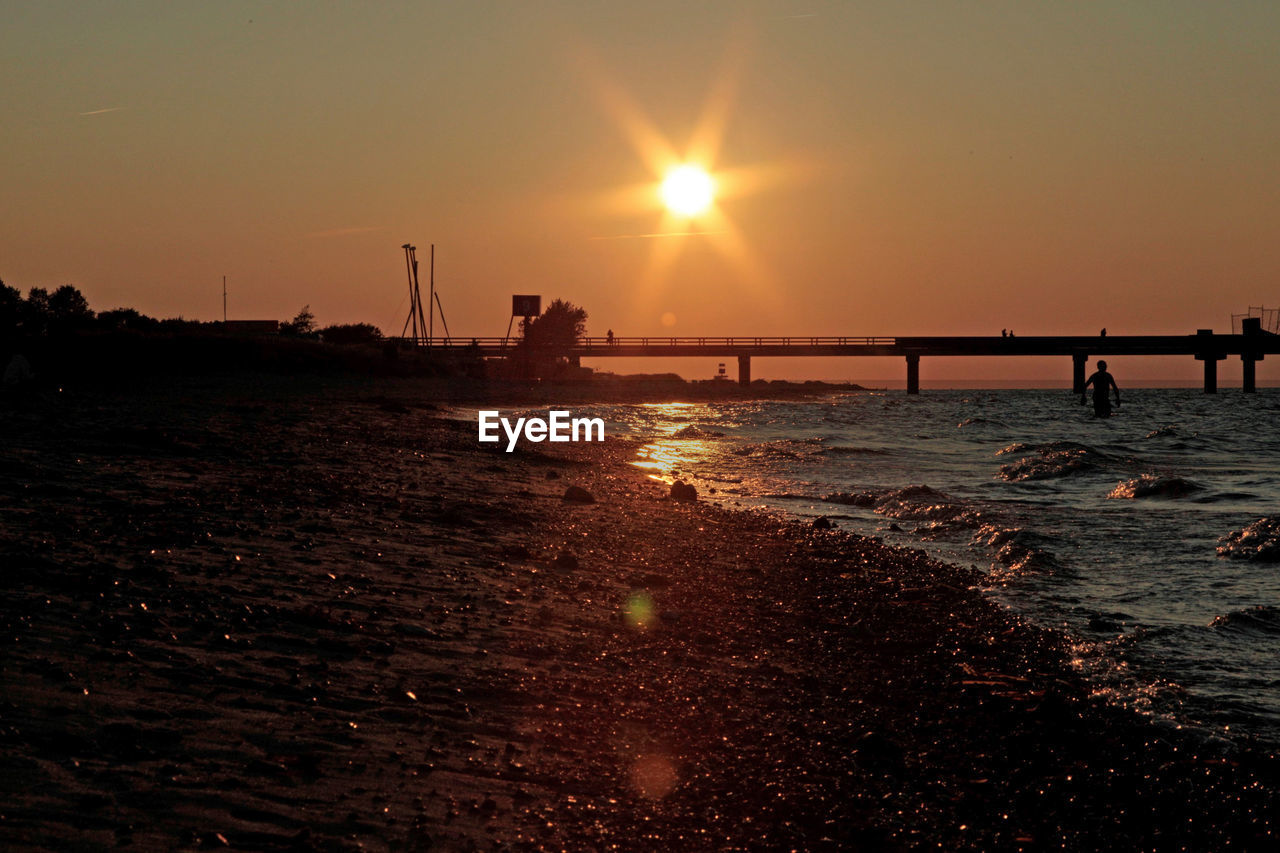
(1102, 382)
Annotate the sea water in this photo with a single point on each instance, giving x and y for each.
(1151, 539)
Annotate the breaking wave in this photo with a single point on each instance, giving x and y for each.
(693, 431)
(1056, 459)
(1259, 542)
(1155, 486)
(1016, 447)
(1019, 550)
(941, 513)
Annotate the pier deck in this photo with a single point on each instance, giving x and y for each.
(1251, 347)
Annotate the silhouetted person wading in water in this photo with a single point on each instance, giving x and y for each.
(1101, 382)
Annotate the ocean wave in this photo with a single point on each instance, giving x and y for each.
(915, 503)
(694, 431)
(943, 513)
(1155, 486)
(1219, 497)
(1019, 550)
(960, 520)
(1056, 459)
(1016, 447)
(1262, 619)
(1259, 541)
(1181, 438)
(864, 499)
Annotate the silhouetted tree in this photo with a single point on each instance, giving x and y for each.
(546, 339)
(557, 329)
(10, 309)
(68, 310)
(302, 325)
(35, 312)
(126, 320)
(351, 333)
(180, 325)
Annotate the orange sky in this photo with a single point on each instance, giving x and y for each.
(898, 168)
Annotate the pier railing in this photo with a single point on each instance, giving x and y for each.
(664, 341)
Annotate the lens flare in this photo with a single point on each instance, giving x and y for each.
(654, 776)
(639, 611)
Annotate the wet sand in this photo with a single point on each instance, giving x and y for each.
(273, 614)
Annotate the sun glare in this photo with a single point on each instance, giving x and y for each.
(688, 185)
(688, 191)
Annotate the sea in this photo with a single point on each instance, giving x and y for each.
(1150, 540)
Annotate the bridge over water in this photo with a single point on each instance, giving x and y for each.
(1205, 346)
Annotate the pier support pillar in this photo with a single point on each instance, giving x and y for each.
(1210, 359)
(1210, 375)
(1250, 327)
(1249, 363)
(744, 370)
(1078, 362)
(913, 373)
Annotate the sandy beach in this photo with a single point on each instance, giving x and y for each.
(315, 614)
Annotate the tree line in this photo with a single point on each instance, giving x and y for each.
(65, 311)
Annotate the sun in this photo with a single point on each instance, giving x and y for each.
(688, 190)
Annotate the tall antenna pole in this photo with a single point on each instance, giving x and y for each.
(415, 319)
(224, 300)
(415, 298)
(419, 323)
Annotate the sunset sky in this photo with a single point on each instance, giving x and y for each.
(882, 168)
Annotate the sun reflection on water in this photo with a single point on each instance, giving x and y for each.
(671, 451)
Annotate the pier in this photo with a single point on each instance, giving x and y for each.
(1251, 346)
